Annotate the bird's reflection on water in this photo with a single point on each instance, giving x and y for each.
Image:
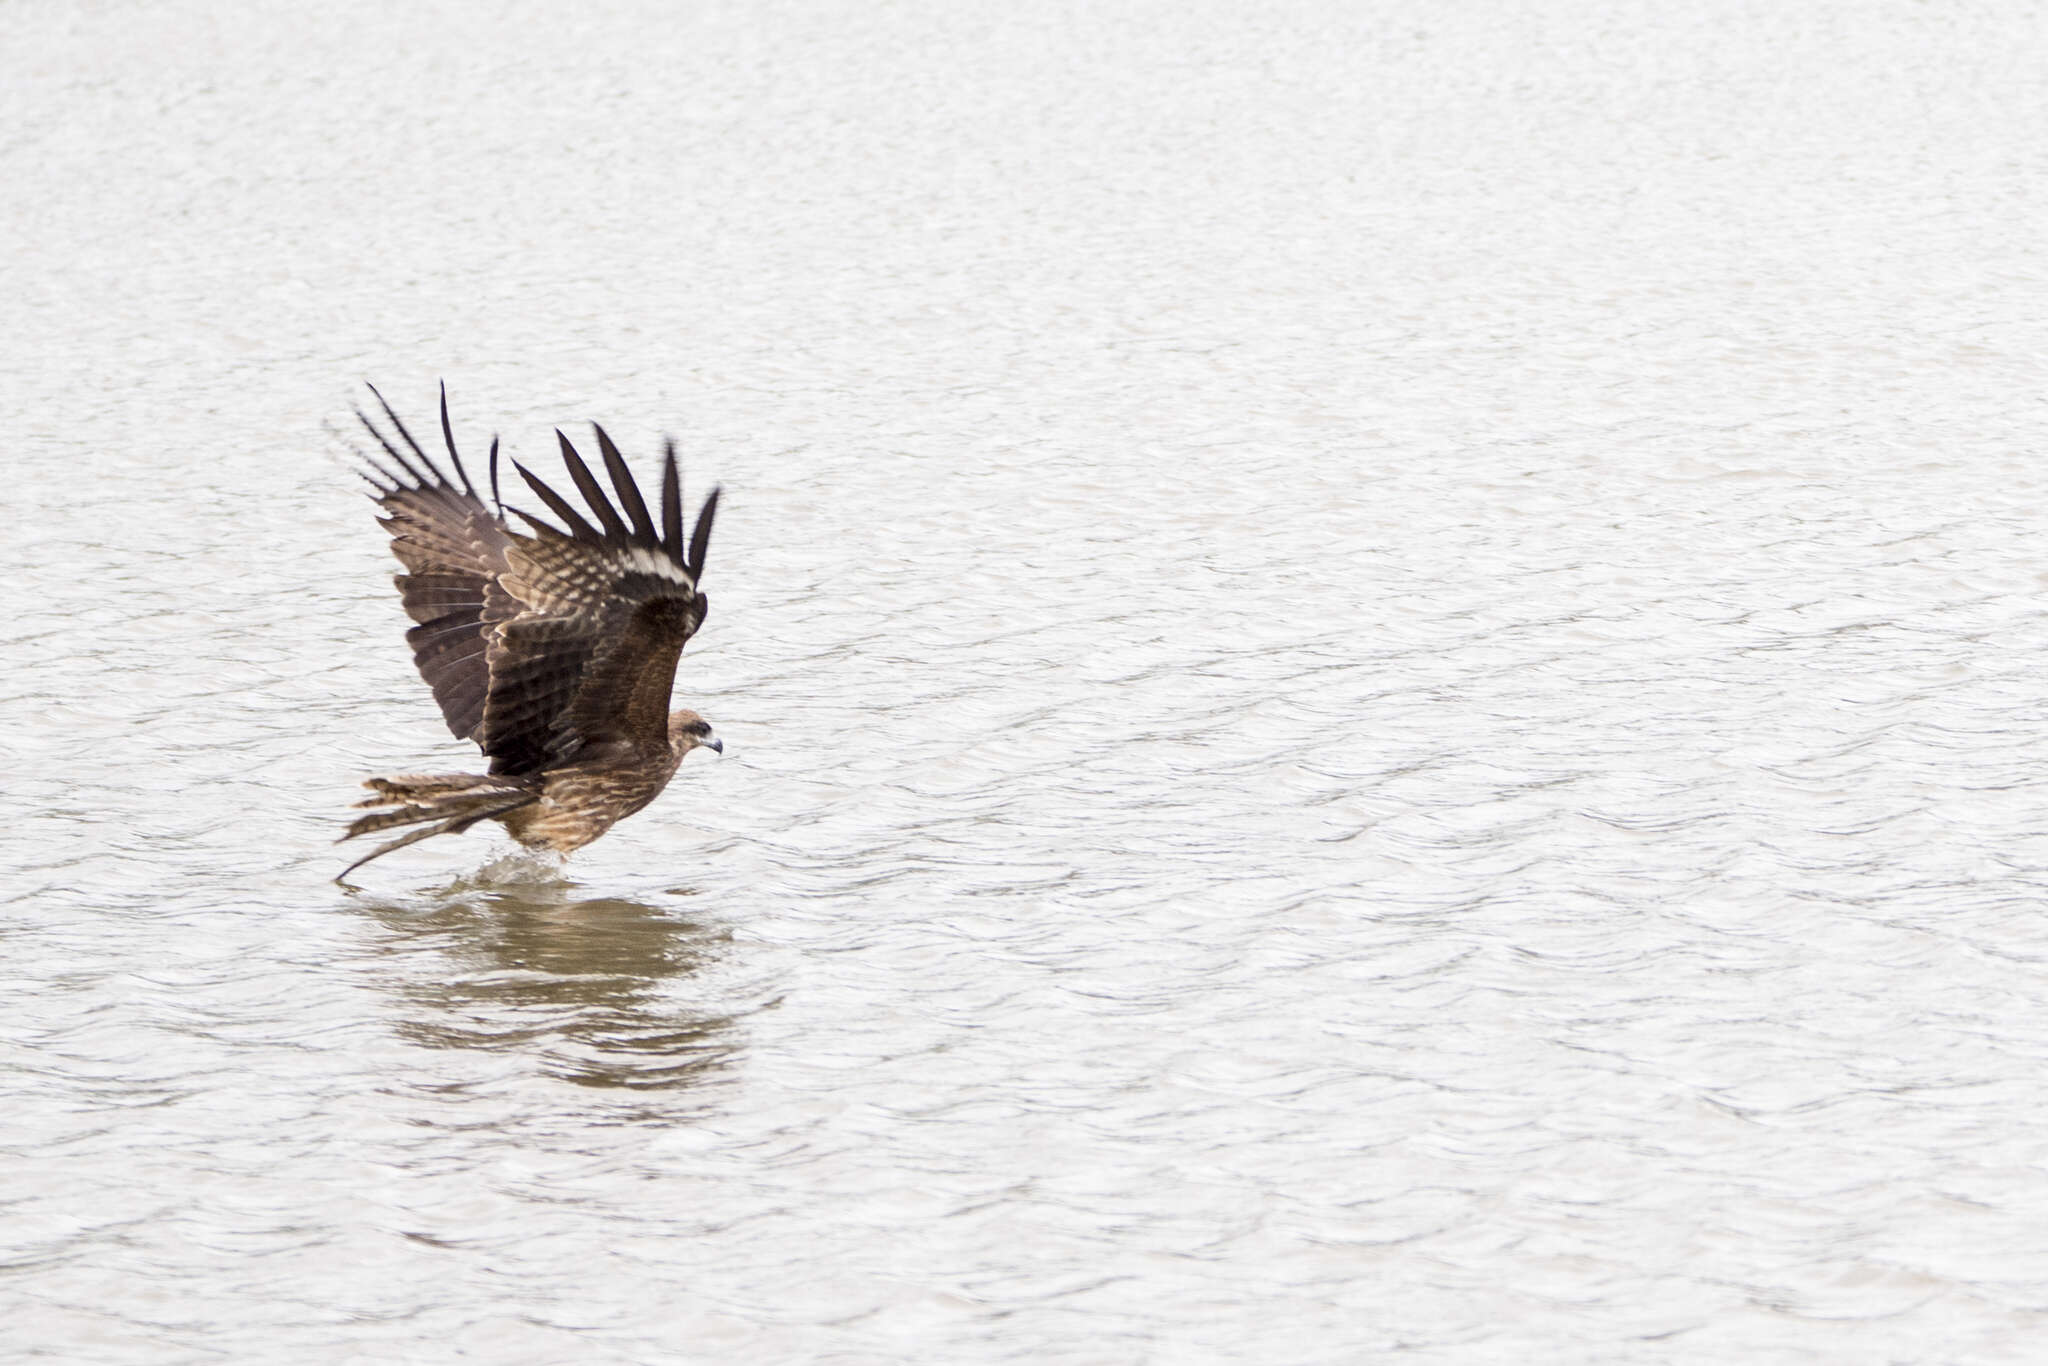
(590, 986)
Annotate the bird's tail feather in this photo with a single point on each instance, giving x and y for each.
(408, 788)
(440, 804)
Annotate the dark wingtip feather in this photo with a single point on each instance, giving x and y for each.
(587, 485)
(700, 539)
(532, 522)
(390, 450)
(630, 501)
(671, 504)
(448, 436)
(360, 464)
(558, 505)
(433, 475)
(496, 501)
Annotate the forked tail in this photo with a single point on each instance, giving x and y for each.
(440, 804)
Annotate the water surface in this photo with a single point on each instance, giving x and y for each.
(1381, 669)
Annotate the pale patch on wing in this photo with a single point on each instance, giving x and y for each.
(643, 560)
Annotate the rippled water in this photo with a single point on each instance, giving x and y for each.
(1382, 669)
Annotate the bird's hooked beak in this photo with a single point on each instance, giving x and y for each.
(714, 744)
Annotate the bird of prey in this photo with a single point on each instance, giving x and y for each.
(554, 648)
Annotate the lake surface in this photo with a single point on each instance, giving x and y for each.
(1382, 668)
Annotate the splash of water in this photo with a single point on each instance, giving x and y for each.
(519, 867)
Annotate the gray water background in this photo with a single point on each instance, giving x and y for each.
(1383, 669)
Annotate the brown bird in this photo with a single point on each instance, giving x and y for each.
(555, 650)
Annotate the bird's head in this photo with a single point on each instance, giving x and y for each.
(687, 731)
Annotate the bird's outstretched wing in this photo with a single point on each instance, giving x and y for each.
(603, 611)
(453, 548)
(542, 646)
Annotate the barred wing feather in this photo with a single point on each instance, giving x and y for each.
(453, 550)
